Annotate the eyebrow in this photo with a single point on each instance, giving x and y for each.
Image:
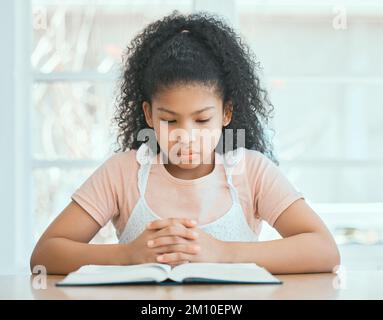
(195, 112)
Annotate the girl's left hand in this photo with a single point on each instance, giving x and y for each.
(208, 248)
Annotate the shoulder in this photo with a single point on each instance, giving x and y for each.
(122, 157)
(254, 168)
(122, 163)
(247, 161)
(257, 161)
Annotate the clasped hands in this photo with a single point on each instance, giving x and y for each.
(176, 241)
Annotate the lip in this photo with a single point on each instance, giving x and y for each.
(188, 157)
(188, 153)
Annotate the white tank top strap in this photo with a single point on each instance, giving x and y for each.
(144, 157)
(230, 160)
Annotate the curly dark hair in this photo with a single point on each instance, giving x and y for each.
(189, 49)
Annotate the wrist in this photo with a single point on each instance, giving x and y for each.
(124, 254)
(227, 252)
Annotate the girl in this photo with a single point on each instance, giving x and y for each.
(182, 199)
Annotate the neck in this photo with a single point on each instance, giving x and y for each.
(189, 174)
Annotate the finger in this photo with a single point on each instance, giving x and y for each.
(162, 223)
(173, 257)
(176, 230)
(185, 248)
(166, 240)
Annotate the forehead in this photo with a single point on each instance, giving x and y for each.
(186, 99)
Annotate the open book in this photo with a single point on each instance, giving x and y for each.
(159, 273)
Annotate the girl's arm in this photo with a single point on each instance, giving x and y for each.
(64, 246)
(307, 245)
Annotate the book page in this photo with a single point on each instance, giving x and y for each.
(241, 272)
(97, 274)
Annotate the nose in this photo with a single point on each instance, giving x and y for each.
(186, 133)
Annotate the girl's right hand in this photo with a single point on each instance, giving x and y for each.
(181, 232)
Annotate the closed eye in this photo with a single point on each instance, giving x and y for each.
(206, 120)
(172, 121)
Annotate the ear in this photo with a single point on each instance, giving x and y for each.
(146, 107)
(227, 113)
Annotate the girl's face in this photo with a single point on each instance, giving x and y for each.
(188, 121)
